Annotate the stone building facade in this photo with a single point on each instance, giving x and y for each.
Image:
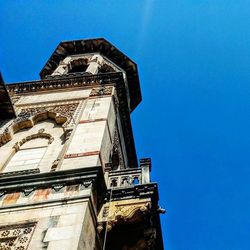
(69, 174)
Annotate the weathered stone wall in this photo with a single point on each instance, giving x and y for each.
(57, 227)
(53, 97)
(62, 217)
(51, 152)
(93, 123)
(91, 142)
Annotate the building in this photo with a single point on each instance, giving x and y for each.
(69, 172)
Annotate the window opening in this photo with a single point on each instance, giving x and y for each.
(25, 159)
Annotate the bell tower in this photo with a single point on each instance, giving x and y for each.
(69, 173)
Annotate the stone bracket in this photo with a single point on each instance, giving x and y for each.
(123, 211)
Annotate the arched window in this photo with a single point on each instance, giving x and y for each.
(135, 180)
(78, 65)
(28, 155)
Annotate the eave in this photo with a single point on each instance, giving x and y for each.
(102, 46)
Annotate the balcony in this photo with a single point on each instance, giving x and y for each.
(130, 176)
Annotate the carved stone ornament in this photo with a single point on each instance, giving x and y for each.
(61, 113)
(123, 211)
(28, 117)
(57, 187)
(54, 165)
(105, 90)
(28, 190)
(40, 134)
(117, 148)
(16, 236)
(87, 183)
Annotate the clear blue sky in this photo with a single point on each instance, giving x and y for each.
(194, 120)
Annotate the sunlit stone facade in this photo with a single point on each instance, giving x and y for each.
(70, 177)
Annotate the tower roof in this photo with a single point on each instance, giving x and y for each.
(102, 46)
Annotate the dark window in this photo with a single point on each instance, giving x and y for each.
(78, 68)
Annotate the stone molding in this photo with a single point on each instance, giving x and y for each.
(93, 120)
(21, 172)
(48, 103)
(40, 134)
(33, 181)
(136, 191)
(77, 80)
(81, 154)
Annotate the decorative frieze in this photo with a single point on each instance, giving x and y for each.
(27, 117)
(36, 194)
(64, 82)
(61, 113)
(21, 172)
(42, 186)
(16, 236)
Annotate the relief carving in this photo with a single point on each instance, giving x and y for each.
(117, 151)
(40, 134)
(123, 211)
(16, 236)
(28, 117)
(105, 90)
(61, 113)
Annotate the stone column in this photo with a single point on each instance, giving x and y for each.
(94, 64)
(145, 165)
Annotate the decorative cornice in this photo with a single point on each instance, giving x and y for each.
(19, 173)
(84, 176)
(76, 80)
